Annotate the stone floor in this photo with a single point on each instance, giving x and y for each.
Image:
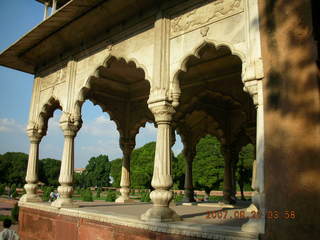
(202, 213)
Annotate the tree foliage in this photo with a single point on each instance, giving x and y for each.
(142, 165)
(178, 171)
(244, 166)
(97, 172)
(208, 165)
(13, 167)
(49, 170)
(115, 172)
(208, 168)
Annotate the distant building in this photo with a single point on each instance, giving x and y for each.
(79, 170)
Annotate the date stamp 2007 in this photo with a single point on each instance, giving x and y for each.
(241, 214)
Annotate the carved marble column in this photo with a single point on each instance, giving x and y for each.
(35, 137)
(46, 7)
(54, 6)
(258, 198)
(189, 154)
(162, 180)
(70, 127)
(234, 161)
(127, 148)
(227, 180)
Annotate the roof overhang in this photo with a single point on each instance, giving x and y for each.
(76, 23)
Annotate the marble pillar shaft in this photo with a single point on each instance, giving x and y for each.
(227, 181)
(162, 164)
(54, 6)
(32, 169)
(162, 180)
(125, 173)
(258, 197)
(69, 128)
(67, 162)
(188, 185)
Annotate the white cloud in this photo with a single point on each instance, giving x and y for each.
(54, 125)
(10, 125)
(101, 126)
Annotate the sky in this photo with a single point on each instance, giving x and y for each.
(98, 134)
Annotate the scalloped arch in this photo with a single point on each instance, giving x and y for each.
(195, 52)
(196, 98)
(219, 134)
(95, 74)
(47, 110)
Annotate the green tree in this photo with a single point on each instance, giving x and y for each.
(13, 166)
(116, 172)
(49, 170)
(79, 180)
(97, 172)
(2, 189)
(142, 165)
(86, 195)
(178, 170)
(208, 165)
(244, 168)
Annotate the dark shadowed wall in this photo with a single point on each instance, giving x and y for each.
(291, 104)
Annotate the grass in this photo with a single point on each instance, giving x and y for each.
(3, 217)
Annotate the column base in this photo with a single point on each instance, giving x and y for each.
(64, 203)
(255, 225)
(122, 199)
(188, 199)
(188, 196)
(229, 198)
(30, 198)
(160, 214)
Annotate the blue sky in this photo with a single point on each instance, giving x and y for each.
(98, 134)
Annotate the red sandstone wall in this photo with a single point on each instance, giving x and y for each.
(40, 225)
(291, 88)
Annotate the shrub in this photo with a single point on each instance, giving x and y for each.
(46, 193)
(14, 194)
(12, 189)
(15, 212)
(98, 193)
(145, 197)
(2, 189)
(86, 195)
(3, 217)
(111, 196)
(178, 197)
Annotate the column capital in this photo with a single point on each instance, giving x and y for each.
(34, 133)
(127, 145)
(70, 124)
(162, 111)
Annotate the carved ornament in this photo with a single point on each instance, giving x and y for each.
(209, 13)
(54, 78)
